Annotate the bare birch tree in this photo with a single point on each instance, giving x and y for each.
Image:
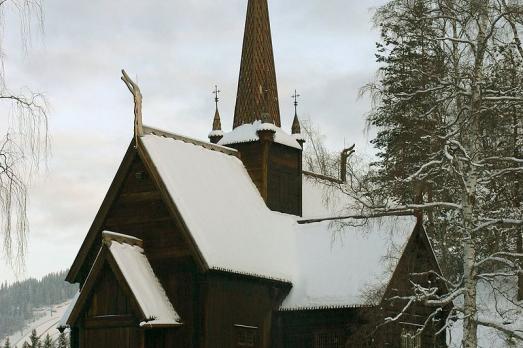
(23, 141)
(453, 53)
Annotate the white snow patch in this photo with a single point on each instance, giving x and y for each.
(497, 302)
(339, 263)
(223, 210)
(48, 323)
(322, 199)
(146, 288)
(216, 133)
(234, 229)
(249, 132)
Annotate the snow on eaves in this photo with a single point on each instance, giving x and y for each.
(146, 288)
(322, 198)
(249, 132)
(342, 264)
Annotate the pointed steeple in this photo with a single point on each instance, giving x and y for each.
(216, 134)
(257, 88)
(296, 128)
(217, 123)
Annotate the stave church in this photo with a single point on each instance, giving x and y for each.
(229, 243)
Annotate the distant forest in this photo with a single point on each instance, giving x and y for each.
(19, 299)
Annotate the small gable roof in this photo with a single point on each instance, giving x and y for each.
(126, 258)
(340, 263)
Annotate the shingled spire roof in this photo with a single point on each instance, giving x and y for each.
(217, 124)
(257, 88)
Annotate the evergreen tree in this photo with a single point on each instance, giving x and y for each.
(35, 339)
(448, 111)
(48, 342)
(62, 341)
(7, 344)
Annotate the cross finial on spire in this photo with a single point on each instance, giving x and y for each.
(216, 93)
(217, 124)
(295, 97)
(296, 127)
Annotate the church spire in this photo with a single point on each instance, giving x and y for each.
(296, 128)
(257, 88)
(216, 134)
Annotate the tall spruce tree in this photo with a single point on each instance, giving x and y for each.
(7, 343)
(62, 341)
(448, 106)
(48, 342)
(35, 339)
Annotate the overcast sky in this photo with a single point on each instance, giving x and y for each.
(177, 50)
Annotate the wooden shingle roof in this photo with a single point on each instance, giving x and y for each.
(257, 88)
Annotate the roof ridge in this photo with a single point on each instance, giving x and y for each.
(209, 146)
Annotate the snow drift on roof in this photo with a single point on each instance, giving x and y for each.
(235, 231)
(249, 132)
(223, 209)
(146, 288)
(321, 199)
(338, 264)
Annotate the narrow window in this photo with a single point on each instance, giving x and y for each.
(329, 339)
(409, 339)
(246, 336)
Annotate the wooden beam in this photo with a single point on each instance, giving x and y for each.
(110, 321)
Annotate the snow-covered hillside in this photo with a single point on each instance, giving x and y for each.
(46, 324)
(496, 304)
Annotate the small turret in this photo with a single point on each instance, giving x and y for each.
(216, 134)
(296, 127)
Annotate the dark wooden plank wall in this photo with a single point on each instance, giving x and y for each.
(234, 301)
(109, 319)
(251, 155)
(284, 180)
(328, 328)
(276, 171)
(417, 258)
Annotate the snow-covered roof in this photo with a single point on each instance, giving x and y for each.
(223, 209)
(235, 231)
(323, 198)
(249, 132)
(144, 285)
(340, 264)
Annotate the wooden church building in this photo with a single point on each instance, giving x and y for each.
(229, 243)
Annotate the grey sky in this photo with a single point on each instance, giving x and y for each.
(177, 50)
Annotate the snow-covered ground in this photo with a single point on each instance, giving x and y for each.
(496, 303)
(46, 323)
